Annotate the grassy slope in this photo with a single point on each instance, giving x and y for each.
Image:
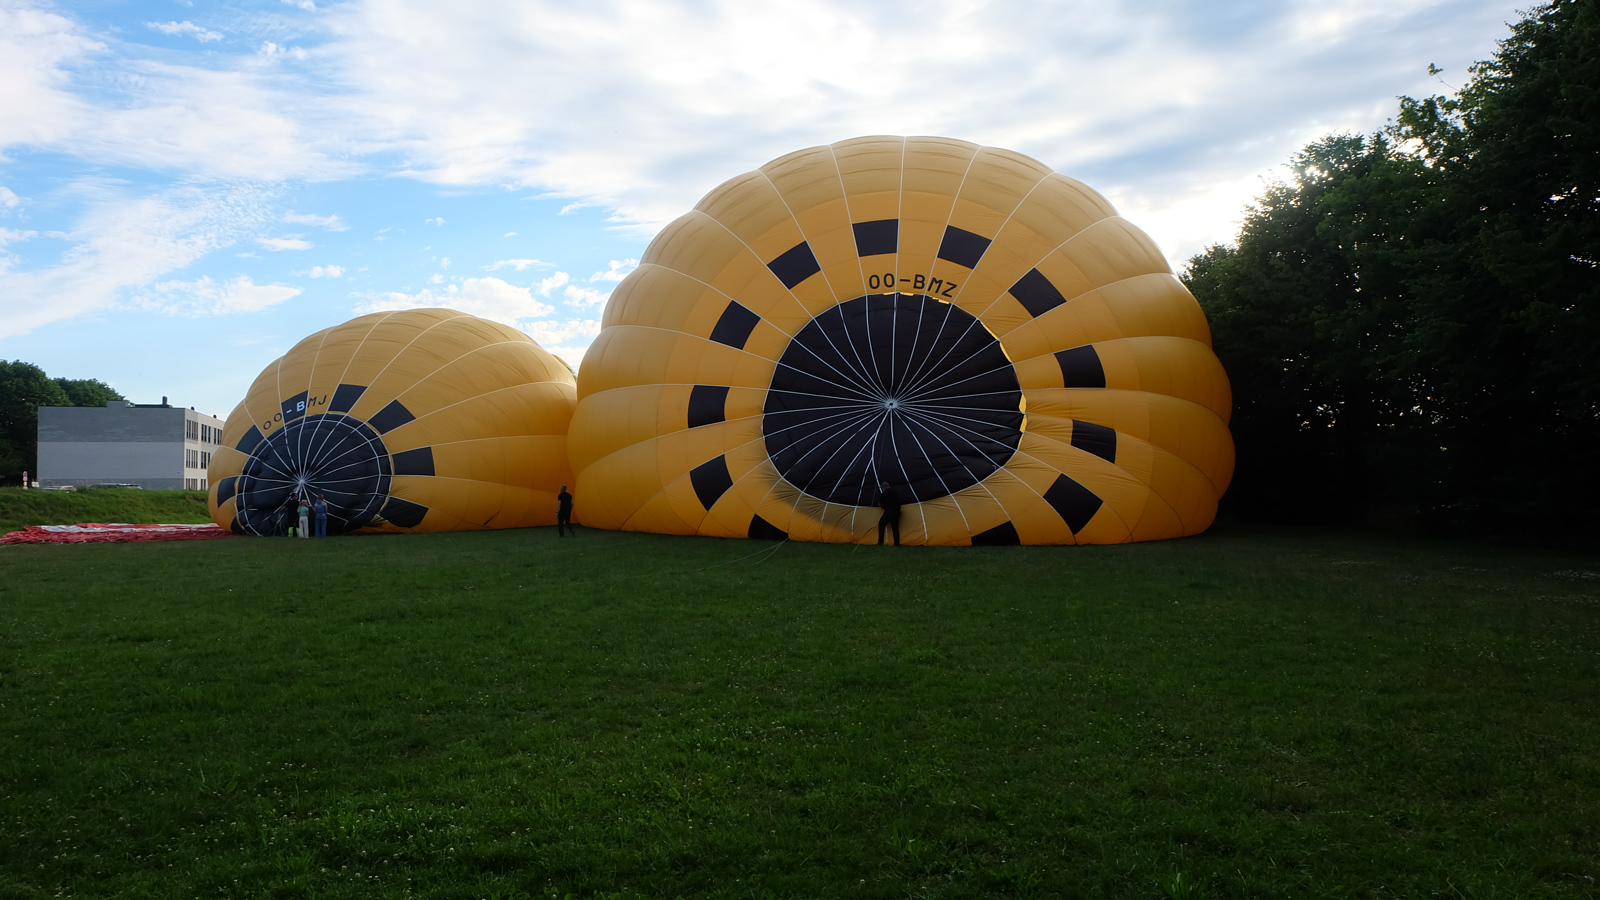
(20, 508)
(506, 714)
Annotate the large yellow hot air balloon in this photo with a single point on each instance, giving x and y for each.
(421, 420)
(988, 337)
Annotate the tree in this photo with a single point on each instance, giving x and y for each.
(1409, 321)
(87, 391)
(24, 387)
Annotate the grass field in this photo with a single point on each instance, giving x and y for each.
(20, 508)
(511, 715)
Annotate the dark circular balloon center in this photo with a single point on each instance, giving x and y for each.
(901, 388)
(331, 455)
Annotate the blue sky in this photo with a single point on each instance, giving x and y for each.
(188, 188)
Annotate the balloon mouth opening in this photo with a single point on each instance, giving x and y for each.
(332, 455)
(896, 387)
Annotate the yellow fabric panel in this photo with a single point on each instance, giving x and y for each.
(994, 186)
(627, 355)
(525, 461)
(521, 409)
(759, 218)
(1057, 210)
(615, 486)
(612, 420)
(870, 170)
(1187, 430)
(1142, 306)
(1186, 489)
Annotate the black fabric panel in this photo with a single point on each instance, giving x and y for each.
(1036, 294)
(762, 530)
(877, 238)
(403, 513)
(294, 407)
(891, 387)
(249, 442)
(795, 265)
(1096, 439)
(234, 526)
(1073, 502)
(390, 417)
(1002, 535)
(735, 325)
(962, 247)
(1080, 367)
(226, 489)
(345, 396)
(414, 462)
(708, 405)
(711, 480)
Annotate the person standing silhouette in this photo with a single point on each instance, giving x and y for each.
(321, 509)
(564, 514)
(889, 499)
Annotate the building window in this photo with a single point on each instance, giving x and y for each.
(205, 460)
(189, 484)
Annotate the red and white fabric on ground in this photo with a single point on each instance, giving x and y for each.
(113, 533)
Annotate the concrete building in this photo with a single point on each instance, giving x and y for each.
(152, 445)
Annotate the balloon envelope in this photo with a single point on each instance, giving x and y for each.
(985, 335)
(420, 420)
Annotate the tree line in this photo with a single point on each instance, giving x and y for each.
(1410, 321)
(24, 387)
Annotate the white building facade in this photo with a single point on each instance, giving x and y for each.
(153, 445)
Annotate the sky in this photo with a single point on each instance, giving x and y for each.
(187, 188)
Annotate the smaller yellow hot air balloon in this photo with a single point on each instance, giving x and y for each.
(419, 420)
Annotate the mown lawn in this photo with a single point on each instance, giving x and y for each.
(511, 715)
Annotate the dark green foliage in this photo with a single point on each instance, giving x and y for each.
(1410, 322)
(87, 392)
(24, 387)
(506, 714)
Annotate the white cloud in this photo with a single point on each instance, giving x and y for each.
(188, 28)
(567, 339)
(519, 264)
(123, 243)
(204, 297)
(1167, 100)
(436, 278)
(307, 5)
(8, 199)
(14, 236)
(616, 271)
(292, 242)
(445, 262)
(511, 234)
(332, 223)
(438, 220)
(546, 285)
(490, 298)
(582, 296)
(574, 207)
(322, 272)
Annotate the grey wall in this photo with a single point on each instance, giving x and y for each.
(121, 444)
(60, 424)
